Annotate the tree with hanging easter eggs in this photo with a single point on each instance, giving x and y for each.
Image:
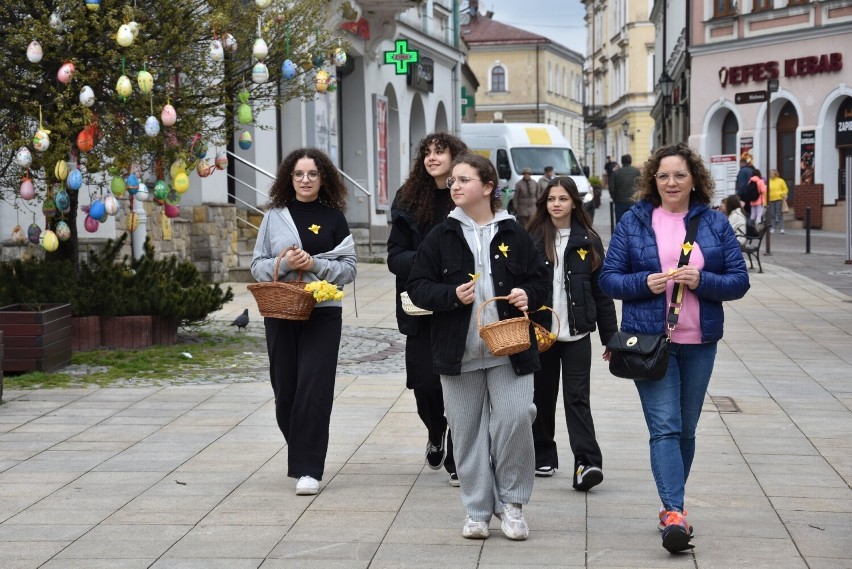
(100, 97)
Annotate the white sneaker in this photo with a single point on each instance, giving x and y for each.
(512, 522)
(474, 530)
(772, 230)
(307, 486)
(454, 480)
(782, 231)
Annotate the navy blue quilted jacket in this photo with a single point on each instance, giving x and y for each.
(633, 255)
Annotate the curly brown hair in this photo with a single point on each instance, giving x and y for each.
(418, 191)
(332, 190)
(702, 182)
(541, 226)
(487, 175)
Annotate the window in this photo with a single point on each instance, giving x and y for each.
(723, 8)
(498, 78)
(729, 134)
(760, 5)
(797, 2)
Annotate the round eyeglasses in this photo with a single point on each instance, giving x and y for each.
(462, 180)
(312, 175)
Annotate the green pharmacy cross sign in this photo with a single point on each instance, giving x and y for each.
(402, 57)
(467, 100)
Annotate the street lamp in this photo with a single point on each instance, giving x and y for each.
(666, 87)
(625, 129)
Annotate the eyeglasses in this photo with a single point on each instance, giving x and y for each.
(312, 175)
(462, 180)
(664, 177)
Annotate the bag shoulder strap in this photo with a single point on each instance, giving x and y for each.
(677, 291)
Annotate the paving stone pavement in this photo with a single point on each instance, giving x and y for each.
(193, 476)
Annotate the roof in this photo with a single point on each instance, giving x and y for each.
(485, 30)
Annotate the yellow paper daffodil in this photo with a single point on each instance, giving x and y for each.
(473, 276)
(582, 253)
(314, 228)
(504, 249)
(687, 247)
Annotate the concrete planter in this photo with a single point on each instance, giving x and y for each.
(36, 337)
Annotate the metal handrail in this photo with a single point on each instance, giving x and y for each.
(346, 176)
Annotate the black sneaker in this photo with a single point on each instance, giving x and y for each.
(435, 455)
(545, 471)
(587, 477)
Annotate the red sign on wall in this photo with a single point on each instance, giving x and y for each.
(795, 67)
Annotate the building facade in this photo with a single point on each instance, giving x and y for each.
(524, 77)
(793, 52)
(618, 81)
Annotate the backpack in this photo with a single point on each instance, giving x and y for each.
(751, 193)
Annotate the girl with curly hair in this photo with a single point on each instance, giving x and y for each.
(641, 268)
(306, 220)
(423, 202)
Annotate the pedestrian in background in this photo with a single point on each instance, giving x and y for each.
(526, 193)
(308, 200)
(478, 253)
(573, 253)
(423, 202)
(756, 207)
(743, 176)
(641, 268)
(545, 180)
(732, 207)
(777, 198)
(621, 186)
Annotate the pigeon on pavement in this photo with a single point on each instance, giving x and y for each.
(242, 320)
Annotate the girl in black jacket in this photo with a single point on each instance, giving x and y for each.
(574, 254)
(423, 202)
(478, 253)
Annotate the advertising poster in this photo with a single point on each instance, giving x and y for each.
(807, 152)
(381, 110)
(747, 149)
(724, 168)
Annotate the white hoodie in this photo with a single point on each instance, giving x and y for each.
(476, 355)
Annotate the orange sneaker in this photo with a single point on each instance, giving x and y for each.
(662, 525)
(676, 533)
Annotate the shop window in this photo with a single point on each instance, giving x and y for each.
(498, 78)
(761, 5)
(723, 8)
(730, 126)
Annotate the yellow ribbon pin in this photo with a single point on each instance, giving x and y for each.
(504, 249)
(582, 253)
(687, 247)
(315, 228)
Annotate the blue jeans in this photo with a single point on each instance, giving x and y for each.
(672, 406)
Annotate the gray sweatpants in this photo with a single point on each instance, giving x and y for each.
(490, 413)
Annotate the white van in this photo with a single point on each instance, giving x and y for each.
(511, 147)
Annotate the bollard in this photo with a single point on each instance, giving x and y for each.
(807, 229)
(611, 217)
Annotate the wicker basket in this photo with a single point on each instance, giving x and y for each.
(410, 308)
(542, 334)
(286, 300)
(504, 337)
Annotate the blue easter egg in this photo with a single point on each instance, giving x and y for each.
(74, 179)
(245, 140)
(132, 183)
(288, 69)
(97, 210)
(63, 200)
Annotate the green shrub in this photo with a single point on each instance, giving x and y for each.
(106, 286)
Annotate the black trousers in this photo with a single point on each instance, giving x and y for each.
(302, 367)
(427, 387)
(574, 361)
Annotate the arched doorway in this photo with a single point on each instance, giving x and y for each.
(785, 144)
(441, 123)
(416, 126)
(394, 168)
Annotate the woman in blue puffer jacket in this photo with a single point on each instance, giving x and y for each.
(641, 269)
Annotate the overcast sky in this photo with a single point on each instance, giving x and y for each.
(560, 20)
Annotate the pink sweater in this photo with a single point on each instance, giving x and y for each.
(670, 232)
(761, 188)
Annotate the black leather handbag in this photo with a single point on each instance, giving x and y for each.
(641, 357)
(645, 357)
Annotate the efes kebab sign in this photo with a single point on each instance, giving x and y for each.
(796, 67)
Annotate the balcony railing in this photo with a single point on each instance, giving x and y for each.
(594, 116)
